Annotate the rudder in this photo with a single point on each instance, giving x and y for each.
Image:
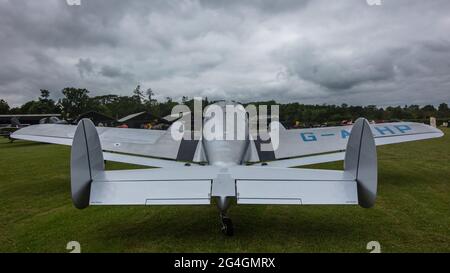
(361, 162)
(86, 162)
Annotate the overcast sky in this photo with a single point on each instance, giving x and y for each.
(306, 51)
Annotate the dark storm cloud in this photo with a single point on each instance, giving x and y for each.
(54, 24)
(309, 51)
(269, 7)
(115, 72)
(85, 67)
(338, 71)
(111, 72)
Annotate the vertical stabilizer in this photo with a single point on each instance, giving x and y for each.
(361, 162)
(86, 162)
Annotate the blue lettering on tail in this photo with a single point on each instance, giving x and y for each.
(383, 130)
(345, 134)
(403, 128)
(308, 137)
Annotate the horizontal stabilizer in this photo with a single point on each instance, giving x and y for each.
(92, 185)
(357, 184)
(286, 186)
(187, 192)
(187, 185)
(296, 192)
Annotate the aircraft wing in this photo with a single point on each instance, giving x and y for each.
(300, 147)
(127, 145)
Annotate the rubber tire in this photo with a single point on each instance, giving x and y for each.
(227, 226)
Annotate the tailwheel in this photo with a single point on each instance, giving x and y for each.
(227, 225)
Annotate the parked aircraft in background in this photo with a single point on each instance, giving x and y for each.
(52, 120)
(193, 172)
(6, 129)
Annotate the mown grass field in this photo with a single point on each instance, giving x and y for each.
(412, 213)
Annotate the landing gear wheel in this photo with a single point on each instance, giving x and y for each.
(227, 226)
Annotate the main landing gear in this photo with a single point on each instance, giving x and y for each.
(227, 225)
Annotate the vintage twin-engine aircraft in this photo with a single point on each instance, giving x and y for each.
(192, 172)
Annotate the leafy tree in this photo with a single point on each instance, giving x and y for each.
(105, 100)
(428, 111)
(125, 105)
(75, 102)
(26, 107)
(414, 111)
(45, 105)
(45, 94)
(150, 95)
(15, 111)
(443, 111)
(137, 94)
(4, 107)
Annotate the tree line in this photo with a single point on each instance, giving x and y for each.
(76, 101)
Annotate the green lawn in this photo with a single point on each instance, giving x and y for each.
(412, 213)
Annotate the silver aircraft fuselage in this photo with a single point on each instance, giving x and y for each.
(230, 142)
